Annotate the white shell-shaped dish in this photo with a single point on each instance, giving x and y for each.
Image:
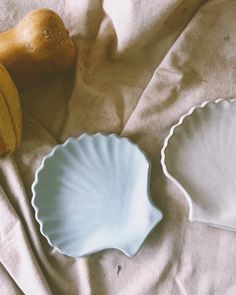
(199, 156)
(92, 193)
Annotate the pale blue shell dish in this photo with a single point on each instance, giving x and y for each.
(92, 193)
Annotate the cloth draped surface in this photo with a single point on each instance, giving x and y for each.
(141, 65)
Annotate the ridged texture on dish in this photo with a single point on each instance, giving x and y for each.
(198, 156)
(92, 193)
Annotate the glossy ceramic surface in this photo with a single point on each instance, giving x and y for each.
(199, 156)
(92, 193)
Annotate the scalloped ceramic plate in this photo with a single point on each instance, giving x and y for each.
(92, 193)
(199, 156)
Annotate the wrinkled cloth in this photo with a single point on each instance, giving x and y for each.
(141, 65)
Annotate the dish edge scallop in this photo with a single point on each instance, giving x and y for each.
(203, 105)
(51, 154)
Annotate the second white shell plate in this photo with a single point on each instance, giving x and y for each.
(199, 156)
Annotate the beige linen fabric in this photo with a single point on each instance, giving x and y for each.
(142, 64)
